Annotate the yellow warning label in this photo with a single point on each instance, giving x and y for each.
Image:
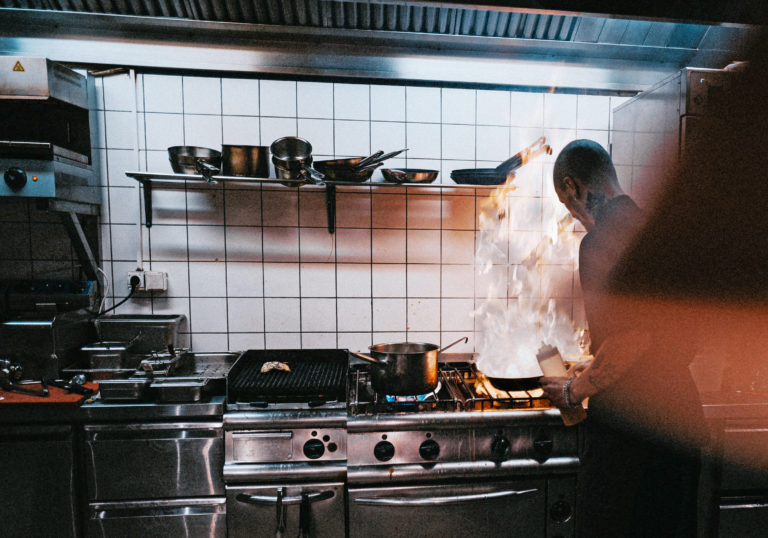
(18, 67)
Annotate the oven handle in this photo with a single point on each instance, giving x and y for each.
(437, 501)
(264, 499)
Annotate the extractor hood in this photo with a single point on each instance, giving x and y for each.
(372, 39)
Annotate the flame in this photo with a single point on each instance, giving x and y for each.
(522, 311)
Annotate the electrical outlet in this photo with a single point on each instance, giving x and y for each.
(149, 280)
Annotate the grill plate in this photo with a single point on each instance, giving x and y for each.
(316, 374)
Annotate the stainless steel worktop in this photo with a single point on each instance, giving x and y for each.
(98, 410)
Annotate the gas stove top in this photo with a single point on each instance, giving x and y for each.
(461, 387)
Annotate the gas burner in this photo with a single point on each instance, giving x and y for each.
(460, 388)
(417, 398)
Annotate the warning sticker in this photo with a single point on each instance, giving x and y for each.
(18, 67)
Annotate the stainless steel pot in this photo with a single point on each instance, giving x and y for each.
(292, 157)
(248, 161)
(406, 368)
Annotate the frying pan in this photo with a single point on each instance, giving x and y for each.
(511, 384)
(409, 175)
(346, 169)
(189, 159)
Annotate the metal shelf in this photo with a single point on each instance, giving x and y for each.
(150, 180)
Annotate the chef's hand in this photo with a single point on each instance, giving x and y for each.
(553, 390)
(577, 367)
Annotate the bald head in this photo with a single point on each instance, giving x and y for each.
(587, 161)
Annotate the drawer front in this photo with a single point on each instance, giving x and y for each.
(193, 518)
(512, 509)
(252, 511)
(154, 461)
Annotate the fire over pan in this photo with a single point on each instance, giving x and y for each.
(406, 368)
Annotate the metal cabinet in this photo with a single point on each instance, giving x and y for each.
(38, 496)
(155, 479)
(203, 517)
(153, 460)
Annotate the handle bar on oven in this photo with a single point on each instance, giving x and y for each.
(437, 501)
(296, 499)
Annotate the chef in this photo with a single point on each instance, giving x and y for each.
(639, 472)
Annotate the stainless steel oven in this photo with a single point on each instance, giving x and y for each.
(285, 444)
(516, 508)
(309, 509)
(458, 461)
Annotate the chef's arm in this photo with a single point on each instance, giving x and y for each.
(615, 356)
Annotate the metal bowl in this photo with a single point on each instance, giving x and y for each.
(184, 159)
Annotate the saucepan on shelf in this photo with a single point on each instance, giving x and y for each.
(245, 161)
(292, 157)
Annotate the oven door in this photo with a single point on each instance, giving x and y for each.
(315, 510)
(508, 509)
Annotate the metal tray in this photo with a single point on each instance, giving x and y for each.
(147, 333)
(178, 389)
(123, 390)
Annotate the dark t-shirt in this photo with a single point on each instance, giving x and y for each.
(639, 471)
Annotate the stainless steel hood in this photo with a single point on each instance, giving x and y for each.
(422, 41)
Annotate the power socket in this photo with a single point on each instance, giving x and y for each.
(149, 280)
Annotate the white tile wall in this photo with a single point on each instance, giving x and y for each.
(256, 267)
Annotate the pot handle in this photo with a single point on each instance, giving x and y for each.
(464, 339)
(365, 357)
(312, 176)
(207, 170)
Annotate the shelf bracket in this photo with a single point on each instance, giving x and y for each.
(147, 184)
(80, 244)
(330, 206)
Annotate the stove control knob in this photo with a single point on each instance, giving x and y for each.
(499, 448)
(314, 448)
(561, 511)
(429, 450)
(384, 451)
(16, 178)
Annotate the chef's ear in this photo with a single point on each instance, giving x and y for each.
(571, 186)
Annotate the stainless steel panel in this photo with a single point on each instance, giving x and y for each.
(513, 509)
(703, 87)
(201, 517)
(743, 520)
(39, 78)
(262, 446)
(151, 461)
(472, 471)
(38, 496)
(268, 473)
(744, 460)
(251, 511)
(285, 419)
(454, 445)
(255, 447)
